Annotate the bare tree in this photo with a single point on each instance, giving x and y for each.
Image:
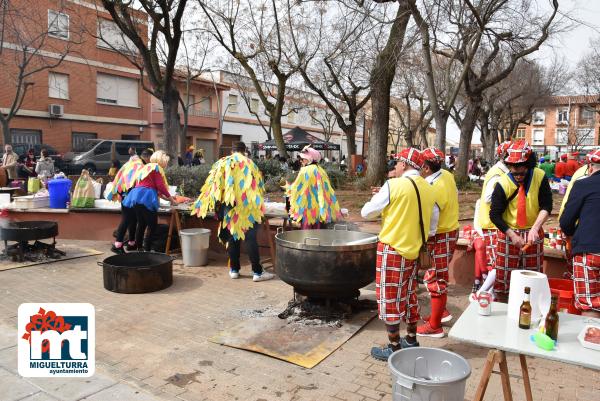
(256, 38)
(335, 47)
(445, 76)
(31, 41)
(155, 54)
(512, 30)
(382, 76)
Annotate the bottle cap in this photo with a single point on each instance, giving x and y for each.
(527, 290)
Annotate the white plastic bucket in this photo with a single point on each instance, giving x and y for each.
(194, 246)
(424, 374)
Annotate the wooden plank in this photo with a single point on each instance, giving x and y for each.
(504, 377)
(485, 375)
(526, 382)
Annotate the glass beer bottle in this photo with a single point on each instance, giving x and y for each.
(552, 319)
(525, 311)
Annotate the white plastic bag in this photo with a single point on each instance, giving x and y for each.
(97, 189)
(107, 189)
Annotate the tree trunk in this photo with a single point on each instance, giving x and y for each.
(408, 137)
(382, 77)
(183, 133)
(5, 131)
(441, 121)
(466, 135)
(424, 141)
(350, 133)
(171, 123)
(278, 135)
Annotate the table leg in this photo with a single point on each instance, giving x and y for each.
(267, 225)
(505, 377)
(170, 234)
(525, 373)
(485, 375)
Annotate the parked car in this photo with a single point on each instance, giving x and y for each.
(21, 149)
(97, 156)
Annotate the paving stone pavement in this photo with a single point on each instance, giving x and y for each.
(155, 346)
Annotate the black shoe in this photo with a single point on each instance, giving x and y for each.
(131, 248)
(118, 251)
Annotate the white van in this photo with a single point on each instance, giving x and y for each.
(99, 154)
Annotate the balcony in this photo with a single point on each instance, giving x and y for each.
(196, 118)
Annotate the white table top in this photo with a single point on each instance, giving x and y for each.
(499, 332)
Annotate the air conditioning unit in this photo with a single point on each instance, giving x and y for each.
(56, 110)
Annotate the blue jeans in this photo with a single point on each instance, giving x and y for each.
(234, 249)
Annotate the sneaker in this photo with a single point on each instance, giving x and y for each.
(426, 330)
(264, 276)
(234, 274)
(383, 353)
(405, 344)
(118, 251)
(131, 248)
(446, 317)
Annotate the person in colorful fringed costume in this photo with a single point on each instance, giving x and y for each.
(150, 184)
(312, 199)
(124, 181)
(234, 190)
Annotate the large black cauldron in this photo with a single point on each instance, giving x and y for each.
(326, 263)
(137, 272)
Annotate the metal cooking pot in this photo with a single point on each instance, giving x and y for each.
(28, 230)
(326, 263)
(137, 272)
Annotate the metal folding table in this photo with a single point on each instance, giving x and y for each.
(502, 335)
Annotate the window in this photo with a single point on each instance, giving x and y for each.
(204, 104)
(585, 137)
(121, 91)
(539, 117)
(562, 136)
(58, 25)
(291, 117)
(135, 137)
(79, 140)
(520, 133)
(58, 85)
(111, 37)
(25, 136)
(538, 136)
(254, 105)
(562, 116)
(232, 103)
(103, 148)
(191, 102)
(587, 116)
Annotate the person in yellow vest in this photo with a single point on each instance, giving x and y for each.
(489, 230)
(441, 246)
(521, 203)
(406, 204)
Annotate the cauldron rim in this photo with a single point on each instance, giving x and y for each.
(114, 260)
(281, 241)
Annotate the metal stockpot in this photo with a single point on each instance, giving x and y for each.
(137, 272)
(326, 263)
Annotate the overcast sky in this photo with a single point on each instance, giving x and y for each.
(569, 46)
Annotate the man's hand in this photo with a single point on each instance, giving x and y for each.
(533, 236)
(516, 239)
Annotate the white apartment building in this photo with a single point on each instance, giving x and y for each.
(311, 114)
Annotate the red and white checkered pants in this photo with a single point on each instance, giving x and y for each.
(586, 281)
(396, 286)
(441, 248)
(510, 257)
(490, 237)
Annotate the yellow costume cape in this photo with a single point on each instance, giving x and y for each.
(124, 180)
(236, 183)
(312, 197)
(145, 170)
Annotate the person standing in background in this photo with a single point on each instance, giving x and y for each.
(9, 163)
(571, 167)
(561, 166)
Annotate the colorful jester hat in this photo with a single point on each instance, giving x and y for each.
(312, 197)
(125, 179)
(234, 182)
